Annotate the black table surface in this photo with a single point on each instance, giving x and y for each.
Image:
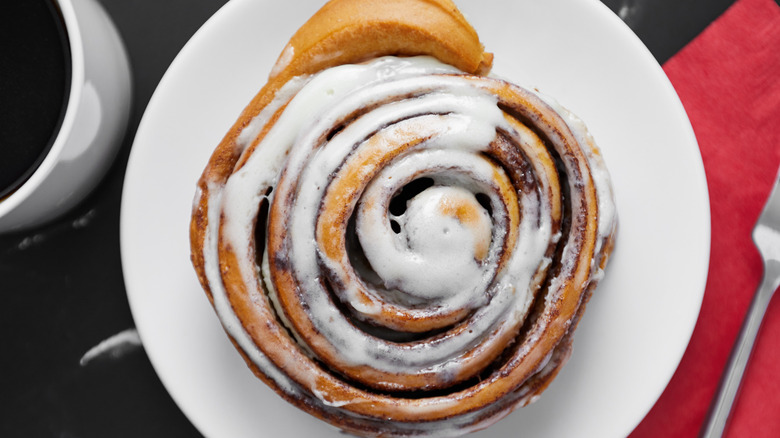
(62, 283)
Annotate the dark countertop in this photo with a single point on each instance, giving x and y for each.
(62, 283)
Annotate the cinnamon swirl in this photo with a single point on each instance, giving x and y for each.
(401, 245)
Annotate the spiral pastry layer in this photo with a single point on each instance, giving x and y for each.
(400, 248)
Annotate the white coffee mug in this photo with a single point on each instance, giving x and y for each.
(92, 129)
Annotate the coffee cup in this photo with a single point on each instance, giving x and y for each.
(66, 92)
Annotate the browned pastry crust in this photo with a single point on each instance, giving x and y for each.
(351, 31)
(507, 368)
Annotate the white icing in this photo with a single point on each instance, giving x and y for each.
(284, 60)
(472, 133)
(427, 257)
(435, 263)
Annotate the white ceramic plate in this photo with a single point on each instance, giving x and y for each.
(638, 323)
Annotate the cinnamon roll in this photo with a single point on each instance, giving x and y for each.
(395, 242)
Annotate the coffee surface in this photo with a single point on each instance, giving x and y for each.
(34, 85)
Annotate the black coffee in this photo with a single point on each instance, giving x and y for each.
(34, 86)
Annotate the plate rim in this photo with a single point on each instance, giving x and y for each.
(202, 33)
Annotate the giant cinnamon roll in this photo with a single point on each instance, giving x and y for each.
(400, 245)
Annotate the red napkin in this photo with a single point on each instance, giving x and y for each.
(728, 79)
